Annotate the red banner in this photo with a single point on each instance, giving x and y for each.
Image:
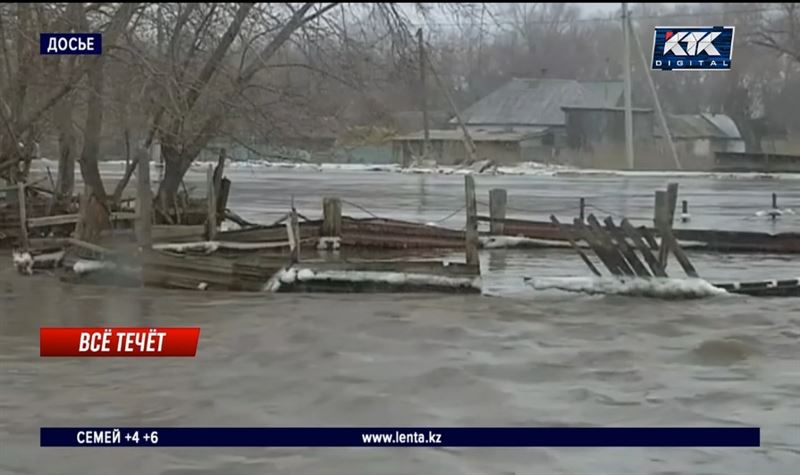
(118, 341)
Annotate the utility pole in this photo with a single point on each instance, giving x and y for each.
(423, 96)
(626, 66)
(661, 117)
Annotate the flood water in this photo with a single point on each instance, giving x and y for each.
(510, 357)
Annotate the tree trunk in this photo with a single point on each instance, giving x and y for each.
(92, 134)
(67, 149)
(173, 175)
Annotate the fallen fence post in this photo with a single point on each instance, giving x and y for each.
(471, 234)
(612, 251)
(498, 198)
(211, 221)
(586, 234)
(23, 216)
(649, 239)
(144, 201)
(567, 234)
(331, 217)
(655, 267)
(625, 248)
(683, 259)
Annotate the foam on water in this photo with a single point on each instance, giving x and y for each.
(665, 288)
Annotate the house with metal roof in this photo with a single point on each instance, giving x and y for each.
(701, 135)
(521, 121)
(538, 103)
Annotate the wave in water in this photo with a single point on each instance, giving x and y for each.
(638, 287)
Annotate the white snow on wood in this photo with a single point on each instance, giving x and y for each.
(329, 243)
(666, 288)
(85, 266)
(499, 242)
(23, 261)
(212, 246)
(292, 275)
(774, 212)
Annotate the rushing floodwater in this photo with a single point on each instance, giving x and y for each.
(511, 357)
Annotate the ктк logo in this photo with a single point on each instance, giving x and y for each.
(693, 48)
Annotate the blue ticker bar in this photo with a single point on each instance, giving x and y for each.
(400, 437)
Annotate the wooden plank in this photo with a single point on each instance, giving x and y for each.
(612, 251)
(647, 235)
(586, 234)
(144, 201)
(498, 198)
(625, 248)
(62, 219)
(655, 267)
(166, 232)
(472, 256)
(680, 254)
(23, 216)
(222, 198)
(661, 213)
(331, 217)
(568, 235)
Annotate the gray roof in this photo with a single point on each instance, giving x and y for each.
(539, 101)
(725, 124)
(695, 126)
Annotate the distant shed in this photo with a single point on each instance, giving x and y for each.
(447, 146)
(703, 134)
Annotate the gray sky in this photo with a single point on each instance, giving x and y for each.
(590, 9)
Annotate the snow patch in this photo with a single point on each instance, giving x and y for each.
(23, 261)
(206, 246)
(329, 243)
(292, 275)
(666, 288)
(85, 266)
(395, 278)
(500, 242)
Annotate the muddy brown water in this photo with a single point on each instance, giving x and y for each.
(511, 357)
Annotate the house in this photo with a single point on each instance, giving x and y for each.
(447, 146)
(521, 121)
(588, 128)
(596, 138)
(700, 135)
(536, 104)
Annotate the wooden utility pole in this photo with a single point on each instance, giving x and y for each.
(626, 67)
(423, 96)
(472, 152)
(661, 117)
